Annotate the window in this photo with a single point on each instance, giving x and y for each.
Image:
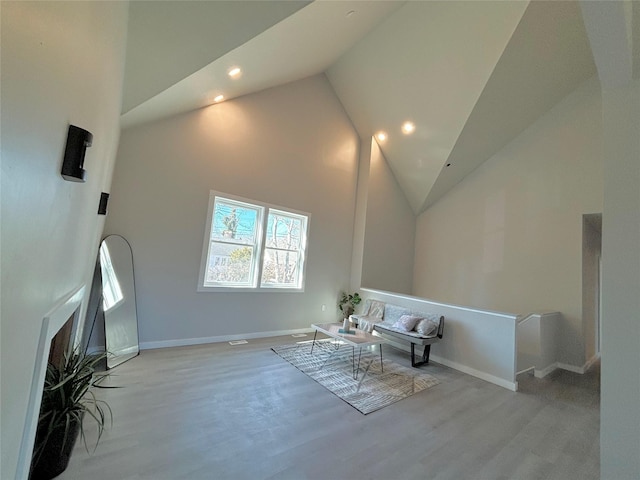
(250, 245)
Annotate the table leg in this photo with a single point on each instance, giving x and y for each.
(353, 362)
(381, 367)
(357, 369)
(314, 340)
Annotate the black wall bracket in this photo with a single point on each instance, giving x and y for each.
(78, 140)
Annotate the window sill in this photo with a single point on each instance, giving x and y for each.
(202, 289)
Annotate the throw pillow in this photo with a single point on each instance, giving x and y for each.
(407, 322)
(426, 327)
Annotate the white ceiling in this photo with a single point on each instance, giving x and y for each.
(301, 45)
(470, 75)
(169, 40)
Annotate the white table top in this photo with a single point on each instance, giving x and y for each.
(359, 338)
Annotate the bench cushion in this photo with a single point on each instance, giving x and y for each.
(429, 333)
(413, 336)
(424, 332)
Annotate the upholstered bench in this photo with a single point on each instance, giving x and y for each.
(401, 324)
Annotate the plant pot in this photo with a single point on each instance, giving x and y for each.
(56, 453)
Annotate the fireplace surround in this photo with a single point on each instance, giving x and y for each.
(67, 308)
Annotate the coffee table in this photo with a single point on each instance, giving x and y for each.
(359, 338)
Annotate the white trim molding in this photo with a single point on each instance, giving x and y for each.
(565, 366)
(501, 382)
(53, 321)
(183, 342)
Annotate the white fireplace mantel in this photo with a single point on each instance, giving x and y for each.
(53, 321)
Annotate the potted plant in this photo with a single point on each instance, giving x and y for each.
(66, 400)
(348, 302)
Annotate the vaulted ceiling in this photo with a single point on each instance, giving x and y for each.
(469, 75)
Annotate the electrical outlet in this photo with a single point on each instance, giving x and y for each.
(324, 307)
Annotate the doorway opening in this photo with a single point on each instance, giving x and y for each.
(591, 284)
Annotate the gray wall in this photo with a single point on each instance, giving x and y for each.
(620, 397)
(508, 237)
(291, 146)
(389, 230)
(62, 62)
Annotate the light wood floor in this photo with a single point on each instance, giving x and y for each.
(241, 412)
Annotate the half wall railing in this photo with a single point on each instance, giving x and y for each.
(478, 342)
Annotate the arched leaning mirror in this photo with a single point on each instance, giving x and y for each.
(118, 300)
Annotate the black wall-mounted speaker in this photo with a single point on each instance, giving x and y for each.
(78, 140)
(104, 199)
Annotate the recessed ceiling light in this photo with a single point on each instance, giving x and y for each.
(235, 72)
(381, 136)
(408, 127)
(219, 98)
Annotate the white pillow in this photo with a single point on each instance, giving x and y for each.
(426, 327)
(407, 322)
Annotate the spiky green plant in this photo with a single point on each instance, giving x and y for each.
(67, 397)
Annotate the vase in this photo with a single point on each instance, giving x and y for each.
(56, 454)
(346, 325)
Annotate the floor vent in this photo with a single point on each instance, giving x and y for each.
(237, 342)
(298, 335)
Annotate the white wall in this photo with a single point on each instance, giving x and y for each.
(508, 237)
(389, 230)
(291, 146)
(62, 62)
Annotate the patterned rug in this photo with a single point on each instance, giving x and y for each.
(372, 390)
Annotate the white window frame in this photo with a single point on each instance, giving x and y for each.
(259, 246)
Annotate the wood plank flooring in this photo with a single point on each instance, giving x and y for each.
(241, 412)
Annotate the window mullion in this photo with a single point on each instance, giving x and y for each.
(262, 247)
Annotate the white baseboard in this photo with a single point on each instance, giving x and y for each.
(183, 342)
(545, 371)
(525, 371)
(591, 361)
(565, 366)
(558, 365)
(513, 386)
(501, 382)
(570, 368)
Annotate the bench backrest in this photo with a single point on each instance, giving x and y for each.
(392, 313)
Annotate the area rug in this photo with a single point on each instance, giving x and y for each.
(373, 390)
